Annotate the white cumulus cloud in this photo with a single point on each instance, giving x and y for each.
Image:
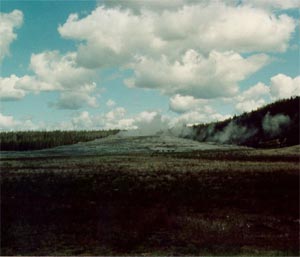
(9, 90)
(192, 51)
(274, 4)
(214, 76)
(249, 105)
(54, 72)
(112, 37)
(82, 121)
(75, 99)
(110, 103)
(155, 5)
(283, 86)
(181, 104)
(158, 5)
(252, 98)
(8, 23)
(115, 114)
(9, 123)
(205, 114)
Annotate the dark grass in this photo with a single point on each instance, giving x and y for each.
(151, 205)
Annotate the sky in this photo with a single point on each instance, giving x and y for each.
(128, 64)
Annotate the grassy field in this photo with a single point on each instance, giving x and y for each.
(200, 203)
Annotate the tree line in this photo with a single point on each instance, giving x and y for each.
(35, 140)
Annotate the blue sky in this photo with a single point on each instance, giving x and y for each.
(125, 64)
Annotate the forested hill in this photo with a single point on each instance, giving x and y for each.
(274, 125)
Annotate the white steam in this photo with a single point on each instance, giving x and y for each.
(147, 123)
(274, 125)
(232, 133)
(153, 123)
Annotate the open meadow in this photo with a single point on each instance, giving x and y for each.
(200, 202)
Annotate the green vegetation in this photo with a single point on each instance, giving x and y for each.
(274, 125)
(242, 202)
(34, 140)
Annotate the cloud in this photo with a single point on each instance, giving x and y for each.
(274, 4)
(9, 90)
(57, 72)
(143, 123)
(147, 122)
(192, 51)
(255, 91)
(214, 76)
(110, 103)
(8, 22)
(193, 111)
(181, 47)
(82, 121)
(283, 86)
(54, 72)
(115, 114)
(198, 116)
(200, 26)
(75, 99)
(181, 104)
(112, 36)
(114, 119)
(210, 26)
(249, 105)
(252, 98)
(8, 122)
(157, 5)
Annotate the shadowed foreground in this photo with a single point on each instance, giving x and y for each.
(202, 203)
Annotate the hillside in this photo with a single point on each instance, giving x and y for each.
(274, 125)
